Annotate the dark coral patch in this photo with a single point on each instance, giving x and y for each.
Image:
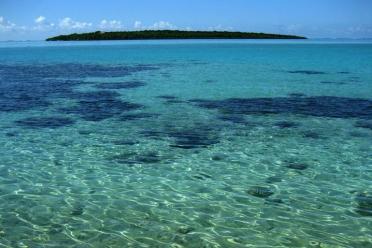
(175, 101)
(150, 157)
(99, 105)
(137, 116)
(286, 124)
(45, 122)
(193, 138)
(154, 134)
(167, 97)
(11, 100)
(24, 87)
(320, 106)
(259, 191)
(234, 118)
(311, 135)
(11, 134)
(332, 82)
(210, 81)
(218, 157)
(77, 210)
(364, 204)
(102, 95)
(307, 72)
(185, 229)
(297, 166)
(125, 142)
(364, 124)
(100, 110)
(73, 70)
(121, 85)
(202, 176)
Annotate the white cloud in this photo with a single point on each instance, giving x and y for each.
(6, 25)
(162, 25)
(40, 20)
(68, 23)
(113, 24)
(42, 24)
(138, 25)
(220, 28)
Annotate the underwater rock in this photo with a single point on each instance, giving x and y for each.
(319, 106)
(45, 122)
(154, 134)
(136, 116)
(85, 132)
(185, 229)
(151, 157)
(259, 191)
(77, 210)
(130, 158)
(125, 142)
(167, 97)
(364, 124)
(297, 166)
(193, 138)
(238, 119)
(307, 72)
(121, 85)
(55, 229)
(174, 101)
(210, 81)
(11, 134)
(332, 82)
(311, 135)
(202, 176)
(274, 201)
(123, 158)
(364, 204)
(274, 179)
(198, 177)
(286, 124)
(357, 134)
(219, 157)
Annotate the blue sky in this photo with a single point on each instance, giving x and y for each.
(38, 19)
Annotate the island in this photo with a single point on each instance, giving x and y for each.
(168, 34)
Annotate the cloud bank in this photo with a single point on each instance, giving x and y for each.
(68, 23)
(6, 25)
(41, 26)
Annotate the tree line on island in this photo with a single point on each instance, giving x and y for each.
(168, 34)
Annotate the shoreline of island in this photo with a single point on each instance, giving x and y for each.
(168, 35)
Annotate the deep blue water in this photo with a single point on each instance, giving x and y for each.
(186, 144)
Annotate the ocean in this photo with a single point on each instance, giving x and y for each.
(186, 143)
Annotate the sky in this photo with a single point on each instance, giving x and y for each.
(39, 19)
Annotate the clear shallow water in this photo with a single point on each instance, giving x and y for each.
(186, 144)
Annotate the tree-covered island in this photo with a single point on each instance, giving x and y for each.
(168, 34)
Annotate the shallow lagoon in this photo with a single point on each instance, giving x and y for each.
(186, 144)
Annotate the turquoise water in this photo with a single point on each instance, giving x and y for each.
(186, 144)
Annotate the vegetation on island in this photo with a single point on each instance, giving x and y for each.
(168, 34)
